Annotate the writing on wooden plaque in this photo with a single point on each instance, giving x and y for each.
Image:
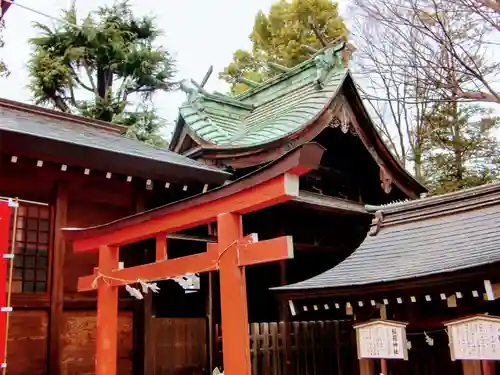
(383, 339)
(475, 338)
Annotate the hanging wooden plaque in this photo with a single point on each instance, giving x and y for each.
(382, 339)
(475, 338)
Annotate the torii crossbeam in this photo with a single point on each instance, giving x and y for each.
(229, 256)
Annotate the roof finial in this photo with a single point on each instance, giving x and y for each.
(199, 87)
(207, 76)
(193, 90)
(278, 67)
(320, 36)
(247, 82)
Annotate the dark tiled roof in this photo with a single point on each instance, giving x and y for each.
(73, 132)
(441, 235)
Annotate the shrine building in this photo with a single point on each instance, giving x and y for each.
(424, 262)
(269, 237)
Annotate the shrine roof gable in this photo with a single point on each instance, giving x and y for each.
(272, 110)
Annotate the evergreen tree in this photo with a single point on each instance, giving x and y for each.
(460, 150)
(94, 67)
(4, 71)
(279, 37)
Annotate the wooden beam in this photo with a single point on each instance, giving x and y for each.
(249, 254)
(277, 190)
(266, 251)
(165, 269)
(107, 315)
(328, 203)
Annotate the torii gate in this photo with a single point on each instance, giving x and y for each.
(230, 255)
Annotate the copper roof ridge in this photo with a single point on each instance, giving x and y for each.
(311, 62)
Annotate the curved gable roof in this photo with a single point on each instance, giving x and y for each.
(279, 112)
(268, 112)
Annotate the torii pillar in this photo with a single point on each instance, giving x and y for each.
(229, 256)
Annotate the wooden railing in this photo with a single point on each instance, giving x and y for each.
(299, 348)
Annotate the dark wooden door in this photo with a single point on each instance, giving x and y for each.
(180, 346)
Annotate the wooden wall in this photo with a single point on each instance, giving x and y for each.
(79, 341)
(54, 332)
(28, 341)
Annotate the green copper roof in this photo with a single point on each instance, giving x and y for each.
(274, 109)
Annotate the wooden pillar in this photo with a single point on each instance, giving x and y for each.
(366, 367)
(285, 318)
(149, 344)
(5, 215)
(210, 312)
(143, 336)
(471, 367)
(210, 323)
(488, 367)
(57, 282)
(107, 315)
(235, 338)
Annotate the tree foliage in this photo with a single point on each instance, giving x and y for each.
(421, 64)
(4, 71)
(422, 31)
(460, 151)
(143, 124)
(279, 37)
(97, 66)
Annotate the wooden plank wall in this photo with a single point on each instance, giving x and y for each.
(28, 340)
(79, 340)
(180, 346)
(299, 348)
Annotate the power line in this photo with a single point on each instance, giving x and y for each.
(57, 19)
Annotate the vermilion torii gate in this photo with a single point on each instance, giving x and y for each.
(272, 185)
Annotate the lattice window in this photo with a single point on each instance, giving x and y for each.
(32, 248)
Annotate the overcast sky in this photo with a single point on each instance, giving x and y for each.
(199, 32)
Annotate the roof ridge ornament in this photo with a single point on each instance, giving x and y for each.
(193, 90)
(326, 61)
(377, 222)
(386, 180)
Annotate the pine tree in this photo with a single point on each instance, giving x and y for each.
(95, 67)
(460, 150)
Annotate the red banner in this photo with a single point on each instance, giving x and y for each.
(5, 217)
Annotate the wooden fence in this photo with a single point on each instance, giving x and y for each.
(299, 348)
(179, 346)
